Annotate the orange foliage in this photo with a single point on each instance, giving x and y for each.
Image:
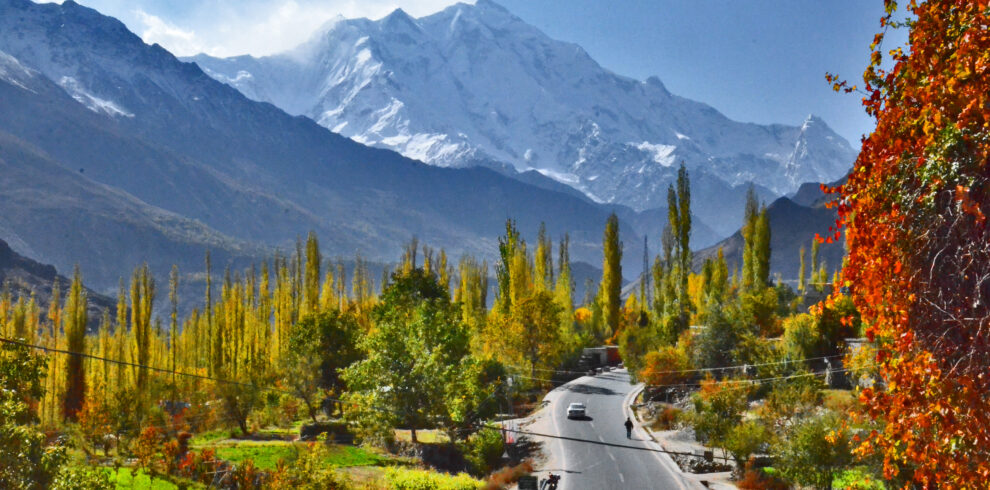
(914, 209)
(665, 366)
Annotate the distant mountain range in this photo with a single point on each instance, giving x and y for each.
(792, 226)
(476, 85)
(23, 277)
(114, 153)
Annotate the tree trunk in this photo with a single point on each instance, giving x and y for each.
(412, 433)
(310, 408)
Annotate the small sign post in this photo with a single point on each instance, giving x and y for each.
(529, 483)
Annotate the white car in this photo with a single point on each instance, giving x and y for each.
(575, 410)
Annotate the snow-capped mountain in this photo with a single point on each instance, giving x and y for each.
(475, 84)
(114, 153)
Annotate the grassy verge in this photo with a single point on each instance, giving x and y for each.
(266, 455)
(137, 479)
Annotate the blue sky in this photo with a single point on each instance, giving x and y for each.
(761, 61)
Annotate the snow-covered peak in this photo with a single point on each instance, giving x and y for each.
(474, 83)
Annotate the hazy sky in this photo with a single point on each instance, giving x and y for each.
(755, 60)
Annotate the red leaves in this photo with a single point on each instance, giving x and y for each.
(968, 205)
(934, 411)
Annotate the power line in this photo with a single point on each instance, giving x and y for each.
(135, 365)
(699, 370)
(180, 373)
(599, 443)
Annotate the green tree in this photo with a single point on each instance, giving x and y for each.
(718, 409)
(413, 352)
(611, 285)
(337, 346)
(815, 451)
(507, 246)
(761, 250)
(802, 339)
(300, 366)
(26, 462)
(750, 213)
(746, 439)
(474, 395)
(534, 331)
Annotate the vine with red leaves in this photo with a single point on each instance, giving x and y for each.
(914, 210)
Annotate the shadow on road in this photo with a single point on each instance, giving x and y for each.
(558, 470)
(591, 390)
(581, 417)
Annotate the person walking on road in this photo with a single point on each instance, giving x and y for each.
(629, 426)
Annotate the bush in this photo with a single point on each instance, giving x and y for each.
(801, 339)
(505, 477)
(858, 479)
(404, 479)
(667, 418)
(745, 440)
(815, 451)
(149, 442)
(760, 479)
(484, 450)
(73, 477)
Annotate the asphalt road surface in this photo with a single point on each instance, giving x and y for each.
(610, 460)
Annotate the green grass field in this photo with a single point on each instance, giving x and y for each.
(266, 455)
(134, 479)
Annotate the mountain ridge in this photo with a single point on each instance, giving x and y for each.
(109, 114)
(473, 84)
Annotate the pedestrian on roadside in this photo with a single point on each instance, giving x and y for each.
(629, 426)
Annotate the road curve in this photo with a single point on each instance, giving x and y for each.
(609, 460)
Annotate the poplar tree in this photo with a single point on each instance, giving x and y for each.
(173, 330)
(611, 284)
(444, 270)
(750, 213)
(543, 261)
(311, 287)
(142, 302)
(802, 273)
(564, 290)
(507, 246)
(683, 228)
(75, 332)
(814, 263)
(644, 278)
(761, 250)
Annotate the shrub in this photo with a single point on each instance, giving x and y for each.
(484, 450)
(74, 477)
(405, 479)
(745, 440)
(148, 443)
(815, 451)
(859, 478)
(667, 418)
(505, 477)
(759, 479)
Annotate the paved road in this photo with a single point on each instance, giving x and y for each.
(583, 465)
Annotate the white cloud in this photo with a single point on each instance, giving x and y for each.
(234, 27)
(156, 30)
